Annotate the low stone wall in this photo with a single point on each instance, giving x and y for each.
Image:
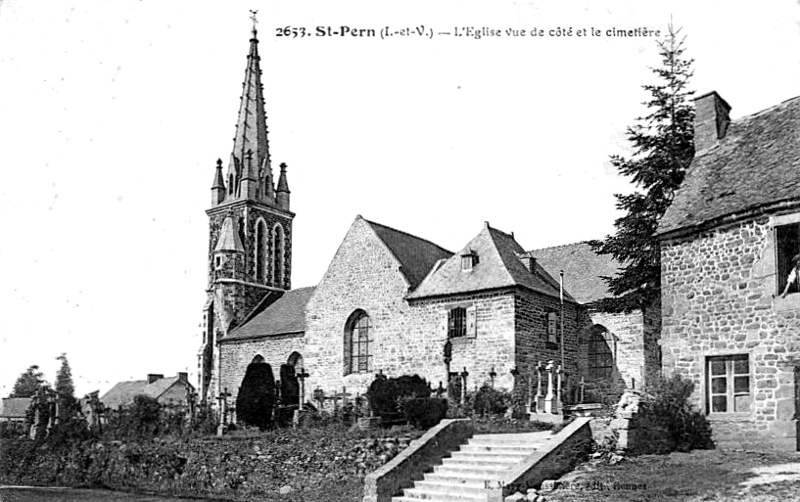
(420, 456)
(560, 454)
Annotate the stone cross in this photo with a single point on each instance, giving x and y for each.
(492, 374)
(582, 387)
(223, 406)
(464, 376)
(537, 399)
(301, 377)
(548, 398)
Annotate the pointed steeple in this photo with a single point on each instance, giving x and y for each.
(282, 193)
(251, 131)
(218, 188)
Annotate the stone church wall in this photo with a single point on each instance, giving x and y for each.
(718, 294)
(237, 355)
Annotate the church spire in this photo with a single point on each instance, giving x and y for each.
(250, 163)
(282, 192)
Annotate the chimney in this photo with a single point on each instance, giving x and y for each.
(183, 377)
(710, 121)
(152, 377)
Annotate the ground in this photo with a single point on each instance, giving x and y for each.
(703, 475)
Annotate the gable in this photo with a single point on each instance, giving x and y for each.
(498, 266)
(756, 166)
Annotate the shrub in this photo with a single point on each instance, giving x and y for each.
(669, 405)
(384, 394)
(490, 401)
(256, 398)
(424, 412)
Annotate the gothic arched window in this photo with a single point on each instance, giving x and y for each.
(261, 251)
(278, 256)
(358, 344)
(601, 361)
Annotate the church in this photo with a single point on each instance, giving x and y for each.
(393, 303)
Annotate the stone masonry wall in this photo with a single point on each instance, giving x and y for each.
(532, 340)
(237, 355)
(408, 339)
(719, 291)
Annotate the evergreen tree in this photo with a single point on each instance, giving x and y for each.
(28, 383)
(65, 389)
(663, 148)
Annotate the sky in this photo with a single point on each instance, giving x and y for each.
(112, 116)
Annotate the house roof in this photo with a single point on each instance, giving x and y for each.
(416, 256)
(756, 165)
(284, 315)
(583, 269)
(499, 265)
(123, 392)
(14, 407)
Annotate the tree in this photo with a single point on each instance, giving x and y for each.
(663, 148)
(28, 383)
(256, 398)
(65, 390)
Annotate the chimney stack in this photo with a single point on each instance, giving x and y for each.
(710, 121)
(183, 377)
(152, 377)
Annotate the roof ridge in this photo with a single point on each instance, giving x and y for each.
(559, 246)
(408, 234)
(755, 114)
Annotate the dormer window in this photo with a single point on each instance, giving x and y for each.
(468, 261)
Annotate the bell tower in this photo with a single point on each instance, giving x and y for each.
(250, 227)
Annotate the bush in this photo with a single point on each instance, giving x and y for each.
(490, 401)
(384, 394)
(424, 412)
(670, 406)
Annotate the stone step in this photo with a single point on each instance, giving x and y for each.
(490, 472)
(473, 480)
(515, 439)
(443, 494)
(485, 458)
(465, 486)
(496, 452)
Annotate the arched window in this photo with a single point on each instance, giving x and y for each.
(261, 251)
(358, 344)
(601, 361)
(277, 256)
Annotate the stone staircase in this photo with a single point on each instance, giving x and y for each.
(465, 475)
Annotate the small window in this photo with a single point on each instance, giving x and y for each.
(788, 246)
(728, 384)
(218, 262)
(468, 261)
(553, 325)
(457, 323)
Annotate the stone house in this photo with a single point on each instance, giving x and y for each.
(394, 302)
(731, 307)
(171, 390)
(14, 409)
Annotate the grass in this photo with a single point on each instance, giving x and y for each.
(701, 475)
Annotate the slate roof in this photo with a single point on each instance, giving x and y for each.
(123, 392)
(228, 239)
(14, 407)
(756, 165)
(416, 256)
(285, 315)
(583, 269)
(498, 266)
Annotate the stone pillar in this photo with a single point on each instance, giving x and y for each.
(223, 411)
(301, 377)
(558, 405)
(464, 376)
(538, 405)
(548, 398)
